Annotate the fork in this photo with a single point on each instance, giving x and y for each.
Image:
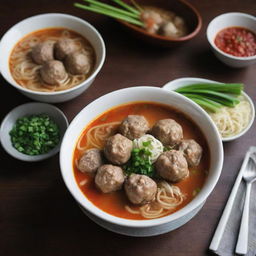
(249, 177)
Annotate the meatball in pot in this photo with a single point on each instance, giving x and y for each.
(140, 189)
(90, 161)
(53, 72)
(172, 166)
(118, 149)
(134, 126)
(168, 131)
(78, 63)
(42, 52)
(63, 47)
(192, 152)
(109, 178)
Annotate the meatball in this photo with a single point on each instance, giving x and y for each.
(118, 149)
(134, 127)
(172, 166)
(53, 72)
(192, 152)
(78, 63)
(168, 131)
(90, 161)
(42, 52)
(140, 189)
(109, 178)
(63, 47)
(169, 29)
(155, 18)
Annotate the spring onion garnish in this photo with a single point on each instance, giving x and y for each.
(129, 13)
(146, 150)
(140, 163)
(212, 96)
(35, 134)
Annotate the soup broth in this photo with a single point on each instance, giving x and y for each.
(115, 203)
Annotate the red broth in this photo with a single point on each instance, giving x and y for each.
(114, 203)
(237, 41)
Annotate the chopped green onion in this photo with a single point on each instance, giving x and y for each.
(146, 143)
(140, 163)
(35, 134)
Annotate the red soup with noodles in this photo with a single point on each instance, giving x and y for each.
(105, 125)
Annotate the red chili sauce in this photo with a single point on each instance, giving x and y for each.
(237, 41)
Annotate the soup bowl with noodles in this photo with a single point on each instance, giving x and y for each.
(131, 190)
(232, 122)
(51, 57)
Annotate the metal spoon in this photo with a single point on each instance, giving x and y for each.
(249, 177)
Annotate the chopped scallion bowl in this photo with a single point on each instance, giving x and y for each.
(35, 134)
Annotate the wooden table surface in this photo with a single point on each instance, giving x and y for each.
(38, 216)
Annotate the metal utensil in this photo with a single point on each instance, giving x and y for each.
(249, 177)
(227, 211)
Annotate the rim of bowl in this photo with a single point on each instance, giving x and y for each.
(202, 80)
(164, 38)
(196, 202)
(68, 16)
(20, 156)
(211, 42)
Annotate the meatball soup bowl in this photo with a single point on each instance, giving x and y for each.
(135, 211)
(32, 62)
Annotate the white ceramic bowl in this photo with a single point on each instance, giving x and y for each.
(152, 94)
(232, 19)
(21, 29)
(177, 83)
(30, 109)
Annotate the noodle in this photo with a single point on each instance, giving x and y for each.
(155, 146)
(168, 197)
(83, 182)
(26, 72)
(96, 136)
(231, 121)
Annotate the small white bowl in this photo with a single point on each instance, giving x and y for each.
(30, 109)
(232, 19)
(134, 94)
(23, 28)
(177, 83)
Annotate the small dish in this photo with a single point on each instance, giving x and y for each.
(179, 7)
(177, 83)
(28, 109)
(232, 19)
(51, 20)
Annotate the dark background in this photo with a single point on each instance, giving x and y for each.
(38, 215)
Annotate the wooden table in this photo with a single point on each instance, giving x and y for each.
(38, 216)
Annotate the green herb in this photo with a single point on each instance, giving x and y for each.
(239, 39)
(196, 191)
(128, 14)
(167, 148)
(146, 143)
(35, 134)
(140, 163)
(212, 96)
(194, 171)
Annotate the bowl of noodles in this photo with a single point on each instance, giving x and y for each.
(232, 122)
(119, 161)
(51, 57)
